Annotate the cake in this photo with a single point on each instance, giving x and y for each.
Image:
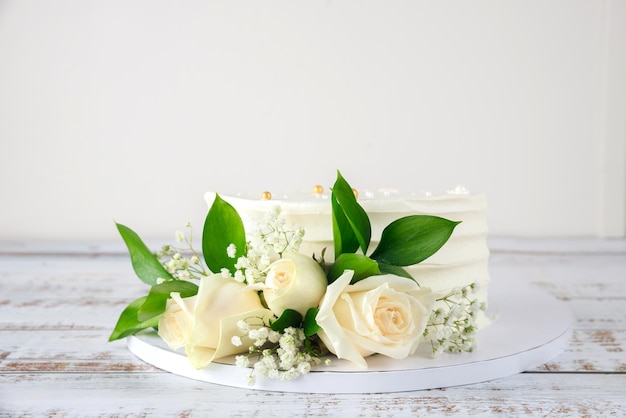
(462, 261)
(282, 283)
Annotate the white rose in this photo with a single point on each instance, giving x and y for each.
(294, 282)
(175, 324)
(213, 313)
(384, 314)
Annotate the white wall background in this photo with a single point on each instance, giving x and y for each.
(133, 109)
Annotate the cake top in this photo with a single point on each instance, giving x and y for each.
(381, 200)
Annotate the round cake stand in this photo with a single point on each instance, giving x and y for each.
(529, 328)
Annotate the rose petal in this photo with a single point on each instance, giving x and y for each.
(332, 334)
(176, 322)
(220, 303)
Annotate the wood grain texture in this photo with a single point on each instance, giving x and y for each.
(57, 309)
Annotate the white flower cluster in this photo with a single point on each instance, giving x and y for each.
(272, 238)
(183, 263)
(452, 327)
(283, 356)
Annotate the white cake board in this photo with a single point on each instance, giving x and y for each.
(529, 329)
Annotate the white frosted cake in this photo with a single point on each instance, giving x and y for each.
(404, 300)
(463, 260)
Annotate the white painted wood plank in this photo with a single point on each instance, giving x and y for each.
(556, 245)
(591, 351)
(79, 350)
(161, 394)
(66, 351)
(565, 276)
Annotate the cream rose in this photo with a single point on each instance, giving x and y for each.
(294, 282)
(177, 320)
(205, 324)
(384, 314)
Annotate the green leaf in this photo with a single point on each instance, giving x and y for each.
(160, 293)
(363, 267)
(310, 324)
(146, 265)
(129, 323)
(351, 226)
(222, 227)
(412, 239)
(343, 237)
(289, 318)
(398, 271)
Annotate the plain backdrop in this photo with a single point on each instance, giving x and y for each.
(131, 110)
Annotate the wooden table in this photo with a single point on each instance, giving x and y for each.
(59, 302)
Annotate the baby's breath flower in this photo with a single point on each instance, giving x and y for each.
(263, 332)
(286, 359)
(453, 328)
(242, 263)
(269, 362)
(180, 237)
(252, 275)
(242, 361)
(236, 341)
(243, 326)
(273, 336)
(231, 251)
(289, 374)
(304, 367)
(239, 276)
(279, 355)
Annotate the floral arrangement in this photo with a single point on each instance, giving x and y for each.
(281, 312)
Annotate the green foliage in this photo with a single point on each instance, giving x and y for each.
(404, 242)
(351, 225)
(289, 318)
(223, 226)
(146, 311)
(398, 271)
(412, 239)
(129, 322)
(310, 324)
(160, 293)
(292, 318)
(362, 266)
(146, 265)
